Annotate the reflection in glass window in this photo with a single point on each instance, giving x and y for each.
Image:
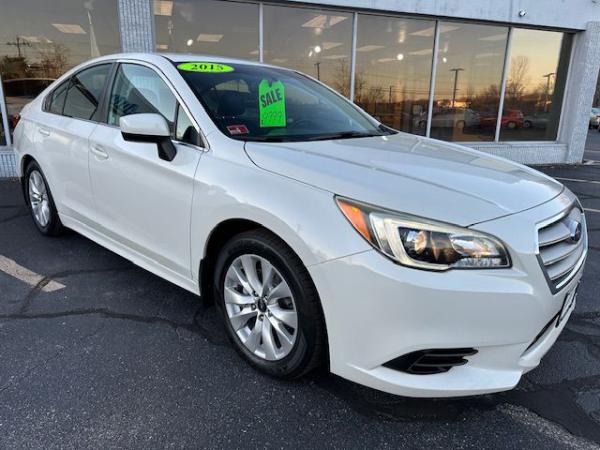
(207, 27)
(535, 85)
(468, 81)
(57, 100)
(39, 42)
(2, 135)
(85, 92)
(315, 42)
(393, 70)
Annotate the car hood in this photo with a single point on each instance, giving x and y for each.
(411, 174)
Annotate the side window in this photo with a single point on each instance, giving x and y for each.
(185, 130)
(57, 98)
(85, 92)
(139, 89)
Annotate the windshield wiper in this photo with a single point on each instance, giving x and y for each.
(344, 135)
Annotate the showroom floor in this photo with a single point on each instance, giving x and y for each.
(97, 353)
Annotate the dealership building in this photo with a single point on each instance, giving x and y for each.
(513, 78)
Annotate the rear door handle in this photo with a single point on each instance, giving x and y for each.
(99, 152)
(44, 132)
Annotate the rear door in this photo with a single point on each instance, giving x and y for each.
(70, 117)
(142, 201)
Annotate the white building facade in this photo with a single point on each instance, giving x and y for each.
(514, 78)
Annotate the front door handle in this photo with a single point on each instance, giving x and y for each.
(99, 152)
(44, 132)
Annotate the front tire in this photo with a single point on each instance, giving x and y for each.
(40, 201)
(270, 305)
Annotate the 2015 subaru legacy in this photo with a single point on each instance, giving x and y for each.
(410, 265)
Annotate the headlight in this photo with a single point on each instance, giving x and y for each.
(424, 244)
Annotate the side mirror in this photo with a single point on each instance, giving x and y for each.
(149, 127)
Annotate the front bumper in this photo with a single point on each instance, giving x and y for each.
(377, 311)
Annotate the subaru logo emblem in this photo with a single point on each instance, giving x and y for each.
(575, 231)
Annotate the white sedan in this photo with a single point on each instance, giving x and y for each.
(406, 264)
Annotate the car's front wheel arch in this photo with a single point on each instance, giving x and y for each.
(218, 237)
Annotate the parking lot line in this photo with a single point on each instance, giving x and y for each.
(592, 210)
(24, 274)
(578, 180)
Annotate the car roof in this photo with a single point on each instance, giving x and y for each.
(184, 57)
(177, 58)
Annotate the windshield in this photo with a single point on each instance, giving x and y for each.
(257, 103)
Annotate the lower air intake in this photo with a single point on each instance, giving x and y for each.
(430, 362)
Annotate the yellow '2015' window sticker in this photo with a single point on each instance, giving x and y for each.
(271, 102)
(205, 67)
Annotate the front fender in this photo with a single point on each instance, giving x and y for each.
(305, 217)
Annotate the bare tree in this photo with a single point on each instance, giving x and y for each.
(518, 78)
(54, 60)
(341, 83)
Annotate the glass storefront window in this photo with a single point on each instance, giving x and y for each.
(209, 27)
(535, 85)
(2, 135)
(468, 81)
(40, 40)
(3, 140)
(315, 42)
(393, 70)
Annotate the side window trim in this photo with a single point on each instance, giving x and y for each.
(50, 96)
(174, 138)
(203, 144)
(101, 113)
(98, 116)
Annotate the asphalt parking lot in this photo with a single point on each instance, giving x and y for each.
(97, 353)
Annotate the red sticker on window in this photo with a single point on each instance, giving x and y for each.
(237, 129)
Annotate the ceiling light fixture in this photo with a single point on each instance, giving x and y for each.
(203, 37)
(69, 28)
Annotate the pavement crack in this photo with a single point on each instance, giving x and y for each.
(102, 312)
(17, 379)
(34, 292)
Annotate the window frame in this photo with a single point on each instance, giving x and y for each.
(202, 141)
(99, 114)
(50, 96)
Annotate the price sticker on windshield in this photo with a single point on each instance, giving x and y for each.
(271, 102)
(205, 67)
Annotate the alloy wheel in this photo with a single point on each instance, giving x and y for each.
(260, 307)
(39, 199)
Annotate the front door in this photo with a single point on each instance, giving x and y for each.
(142, 201)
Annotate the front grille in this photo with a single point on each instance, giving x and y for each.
(560, 251)
(429, 362)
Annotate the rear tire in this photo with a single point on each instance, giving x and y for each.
(281, 331)
(40, 201)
